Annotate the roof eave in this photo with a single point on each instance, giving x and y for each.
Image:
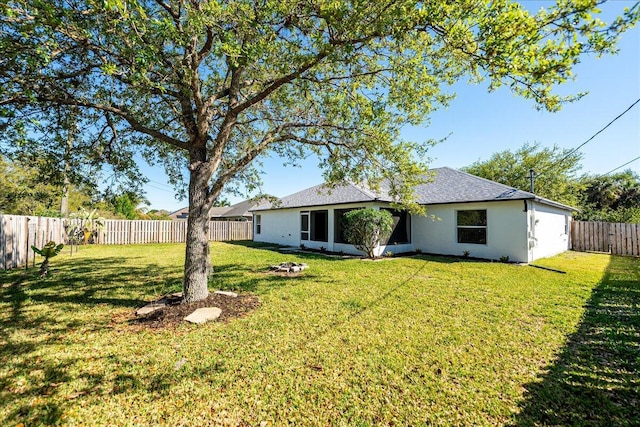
(275, 208)
(555, 204)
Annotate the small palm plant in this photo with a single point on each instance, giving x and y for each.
(48, 251)
(87, 224)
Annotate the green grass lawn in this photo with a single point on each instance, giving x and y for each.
(403, 341)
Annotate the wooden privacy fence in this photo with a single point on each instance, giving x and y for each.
(18, 233)
(617, 238)
(125, 232)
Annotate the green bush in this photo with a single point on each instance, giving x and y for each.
(367, 228)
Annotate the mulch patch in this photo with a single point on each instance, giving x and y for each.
(174, 313)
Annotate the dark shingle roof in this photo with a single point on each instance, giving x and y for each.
(240, 209)
(322, 195)
(237, 210)
(453, 186)
(446, 185)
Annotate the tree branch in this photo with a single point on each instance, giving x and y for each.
(119, 111)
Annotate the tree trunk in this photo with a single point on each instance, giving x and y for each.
(196, 264)
(66, 169)
(64, 202)
(44, 268)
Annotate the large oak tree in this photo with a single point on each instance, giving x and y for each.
(222, 83)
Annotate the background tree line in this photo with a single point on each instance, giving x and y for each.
(609, 197)
(32, 186)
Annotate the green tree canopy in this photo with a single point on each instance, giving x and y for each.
(555, 171)
(611, 198)
(25, 190)
(128, 204)
(214, 86)
(67, 150)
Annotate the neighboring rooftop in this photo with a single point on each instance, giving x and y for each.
(445, 185)
(239, 211)
(180, 214)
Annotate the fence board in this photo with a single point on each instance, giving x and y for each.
(616, 238)
(18, 233)
(122, 232)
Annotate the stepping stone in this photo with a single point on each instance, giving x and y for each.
(151, 307)
(227, 293)
(203, 315)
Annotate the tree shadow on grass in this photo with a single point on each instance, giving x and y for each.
(225, 277)
(91, 282)
(32, 304)
(294, 252)
(42, 408)
(38, 317)
(595, 381)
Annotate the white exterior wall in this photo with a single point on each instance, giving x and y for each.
(548, 230)
(282, 226)
(506, 231)
(278, 226)
(509, 230)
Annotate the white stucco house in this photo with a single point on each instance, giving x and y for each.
(475, 215)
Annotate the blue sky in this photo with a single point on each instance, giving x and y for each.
(481, 123)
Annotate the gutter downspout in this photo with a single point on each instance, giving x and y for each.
(532, 229)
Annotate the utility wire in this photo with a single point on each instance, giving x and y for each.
(590, 139)
(161, 183)
(621, 166)
(159, 188)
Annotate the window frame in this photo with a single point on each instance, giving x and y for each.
(313, 229)
(400, 214)
(305, 234)
(338, 230)
(258, 224)
(480, 227)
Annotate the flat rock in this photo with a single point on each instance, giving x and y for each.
(151, 307)
(288, 267)
(203, 315)
(227, 293)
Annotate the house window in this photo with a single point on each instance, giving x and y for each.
(401, 227)
(567, 224)
(339, 224)
(472, 226)
(319, 226)
(258, 224)
(304, 225)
